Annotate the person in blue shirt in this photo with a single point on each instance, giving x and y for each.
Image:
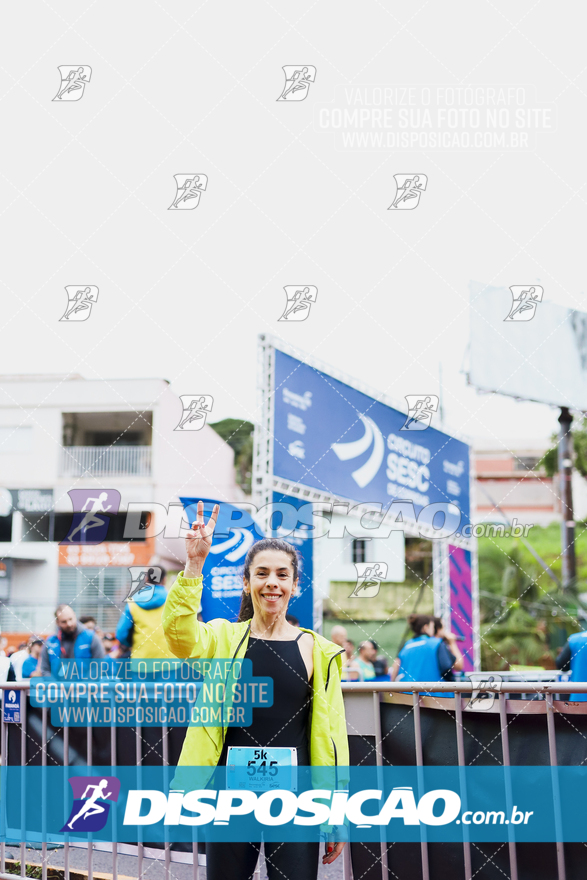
(573, 658)
(29, 667)
(140, 627)
(426, 656)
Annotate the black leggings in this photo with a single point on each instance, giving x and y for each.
(285, 861)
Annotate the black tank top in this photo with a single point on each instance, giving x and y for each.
(284, 723)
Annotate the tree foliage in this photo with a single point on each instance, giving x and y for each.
(525, 616)
(579, 437)
(239, 435)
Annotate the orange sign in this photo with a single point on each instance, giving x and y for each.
(108, 553)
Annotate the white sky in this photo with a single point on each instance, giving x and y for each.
(183, 294)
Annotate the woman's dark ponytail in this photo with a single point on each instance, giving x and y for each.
(417, 621)
(246, 610)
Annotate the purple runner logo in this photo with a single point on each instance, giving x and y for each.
(87, 509)
(90, 808)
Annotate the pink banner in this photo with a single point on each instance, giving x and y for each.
(461, 601)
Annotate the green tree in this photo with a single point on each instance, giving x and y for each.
(239, 435)
(525, 616)
(579, 437)
(510, 632)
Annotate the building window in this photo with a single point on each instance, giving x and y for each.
(99, 592)
(526, 463)
(6, 528)
(359, 550)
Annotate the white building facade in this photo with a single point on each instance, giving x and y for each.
(63, 433)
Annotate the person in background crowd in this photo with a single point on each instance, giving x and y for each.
(381, 666)
(441, 633)
(30, 665)
(140, 627)
(10, 651)
(573, 659)
(16, 661)
(3, 646)
(426, 657)
(291, 619)
(90, 623)
(350, 668)
(367, 654)
(109, 642)
(72, 641)
(338, 635)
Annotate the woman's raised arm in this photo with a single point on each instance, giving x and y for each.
(185, 634)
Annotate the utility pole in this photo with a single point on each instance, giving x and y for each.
(565, 469)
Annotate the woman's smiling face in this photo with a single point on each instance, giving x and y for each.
(271, 582)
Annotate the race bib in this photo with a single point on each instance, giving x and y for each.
(262, 769)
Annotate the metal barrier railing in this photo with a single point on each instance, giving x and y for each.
(364, 705)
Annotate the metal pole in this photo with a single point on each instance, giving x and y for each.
(44, 713)
(420, 764)
(113, 760)
(139, 754)
(505, 748)
(462, 779)
(565, 467)
(379, 760)
(560, 847)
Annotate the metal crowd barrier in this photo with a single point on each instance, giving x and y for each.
(388, 724)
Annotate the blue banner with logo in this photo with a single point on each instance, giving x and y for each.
(235, 533)
(400, 803)
(302, 604)
(331, 437)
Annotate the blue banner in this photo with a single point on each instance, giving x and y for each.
(302, 604)
(331, 437)
(223, 569)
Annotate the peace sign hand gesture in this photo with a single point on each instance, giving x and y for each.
(199, 540)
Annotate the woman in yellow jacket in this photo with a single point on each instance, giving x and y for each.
(308, 710)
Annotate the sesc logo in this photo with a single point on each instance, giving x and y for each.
(90, 808)
(238, 544)
(371, 439)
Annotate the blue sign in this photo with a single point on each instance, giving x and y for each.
(235, 533)
(520, 804)
(11, 706)
(333, 438)
(302, 604)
